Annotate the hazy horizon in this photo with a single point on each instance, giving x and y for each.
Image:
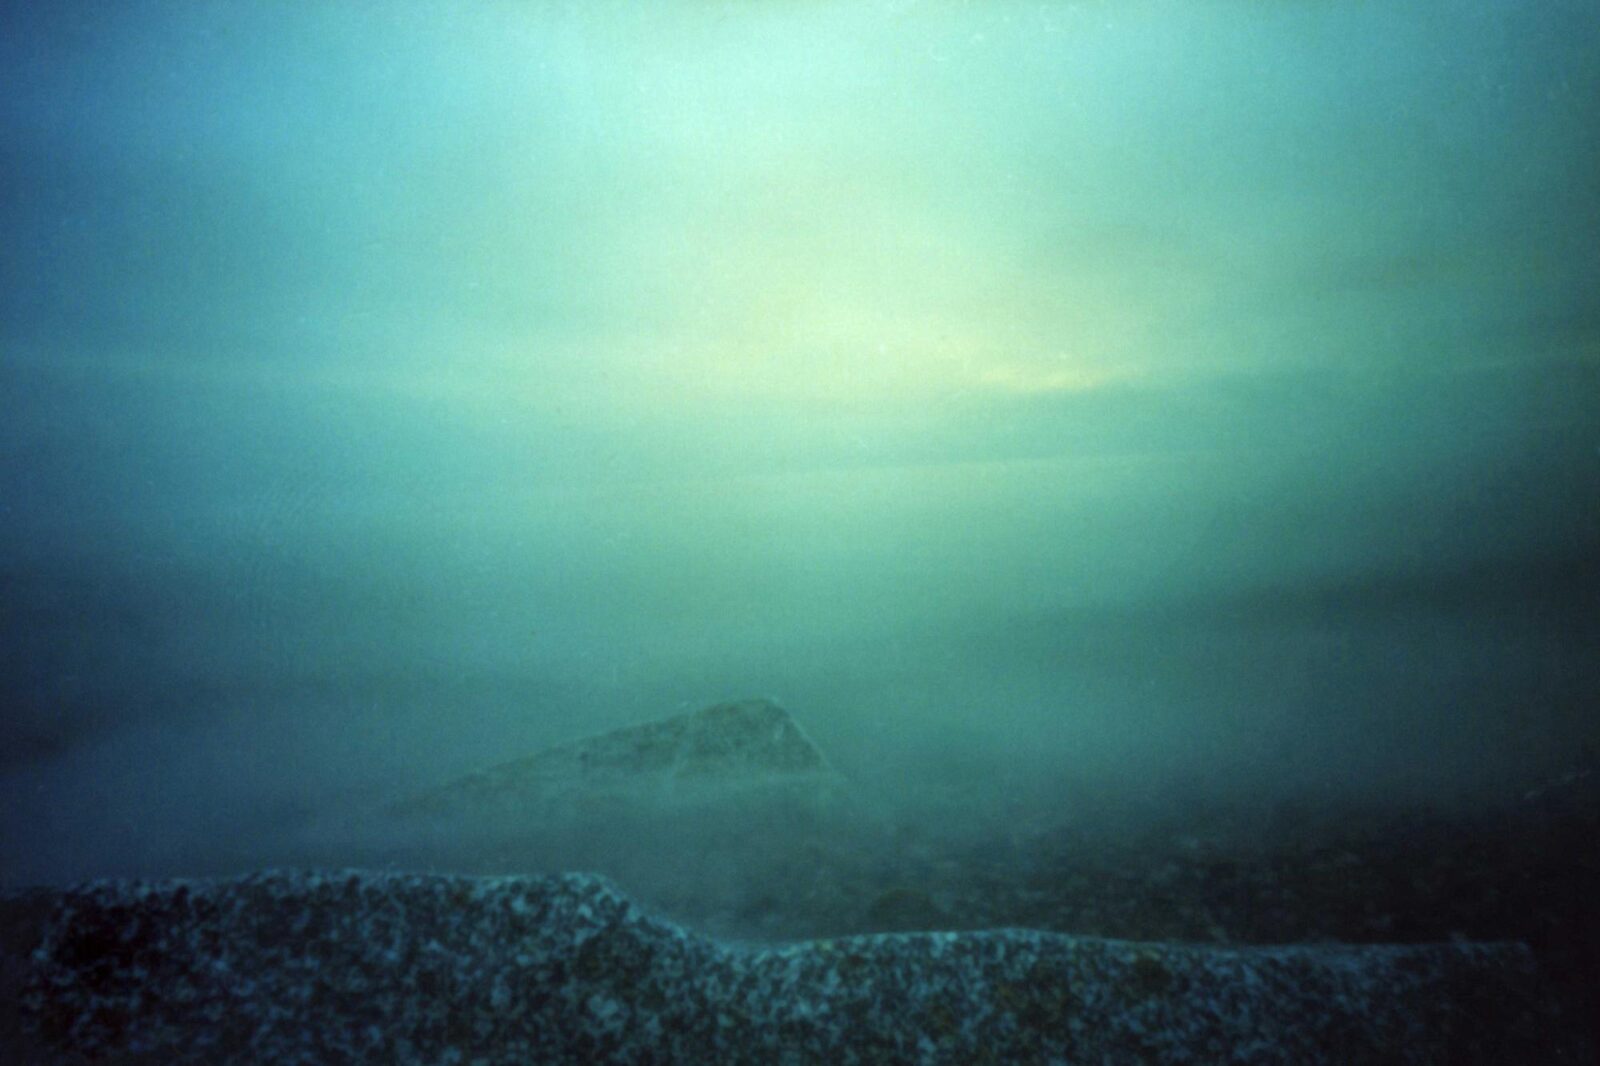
(1117, 397)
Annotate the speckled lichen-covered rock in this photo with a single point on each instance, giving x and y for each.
(365, 967)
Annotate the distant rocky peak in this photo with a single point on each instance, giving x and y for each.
(733, 744)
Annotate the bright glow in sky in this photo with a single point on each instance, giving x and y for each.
(668, 352)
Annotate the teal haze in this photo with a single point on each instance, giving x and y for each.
(1082, 402)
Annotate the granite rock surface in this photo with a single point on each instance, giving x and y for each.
(307, 967)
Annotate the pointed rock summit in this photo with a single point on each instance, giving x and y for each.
(723, 749)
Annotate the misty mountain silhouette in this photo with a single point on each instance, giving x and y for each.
(728, 746)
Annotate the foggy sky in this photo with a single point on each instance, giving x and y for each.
(1118, 391)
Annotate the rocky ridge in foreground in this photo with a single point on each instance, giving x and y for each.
(366, 967)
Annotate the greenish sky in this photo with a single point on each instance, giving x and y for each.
(800, 211)
(670, 352)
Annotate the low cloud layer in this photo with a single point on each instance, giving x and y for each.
(1104, 393)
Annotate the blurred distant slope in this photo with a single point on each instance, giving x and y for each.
(729, 745)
